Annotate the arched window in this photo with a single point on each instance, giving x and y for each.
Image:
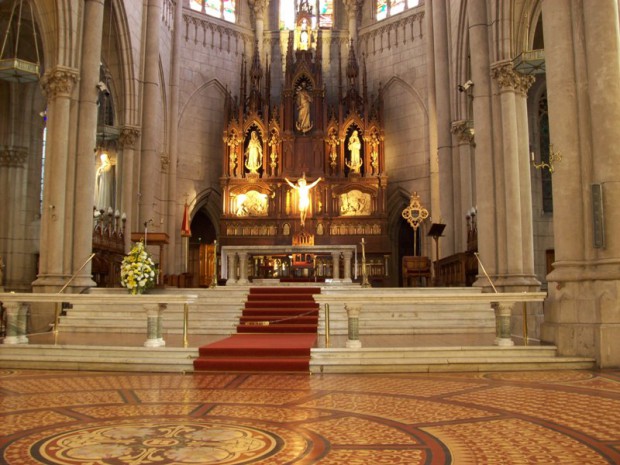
(325, 8)
(224, 9)
(386, 8)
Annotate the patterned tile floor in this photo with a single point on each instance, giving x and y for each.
(70, 418)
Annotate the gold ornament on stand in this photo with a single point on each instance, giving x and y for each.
(415, 214)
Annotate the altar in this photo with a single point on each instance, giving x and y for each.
(241, 264)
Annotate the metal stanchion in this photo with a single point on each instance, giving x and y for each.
(525, 338)
(185, 321)
(326, 325)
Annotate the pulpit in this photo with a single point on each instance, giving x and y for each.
(157, 239)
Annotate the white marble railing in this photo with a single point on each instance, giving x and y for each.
(18, 304)
(355, 303)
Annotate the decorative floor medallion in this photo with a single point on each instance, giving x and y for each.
(159, 442)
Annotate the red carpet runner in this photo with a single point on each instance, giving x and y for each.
(276, 331)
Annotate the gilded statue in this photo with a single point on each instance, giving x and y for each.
(254, 154)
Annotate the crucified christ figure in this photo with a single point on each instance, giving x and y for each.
(303, 192)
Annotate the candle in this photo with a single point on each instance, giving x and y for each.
(532, 155)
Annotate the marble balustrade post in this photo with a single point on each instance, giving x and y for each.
(231, 268)
(503, 312)
(154, 325)
(353, 316)
(16, 323)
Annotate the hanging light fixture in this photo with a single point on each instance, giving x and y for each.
(12, 67)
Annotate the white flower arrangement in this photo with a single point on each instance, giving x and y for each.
(138, 271)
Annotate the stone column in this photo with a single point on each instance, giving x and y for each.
(503, 311)
(150, 161)
(465, 138)
(16, 318)
(127, 144)
(484, 163)
(353, 315)
(154, 325)
(174, 208)
(57, 84)
(336, 266)
(86, 142)
(231, 269)
(243, 268)
(510, 215)
(443, 120)
(347, 266)
(258, 8)
(352, 7)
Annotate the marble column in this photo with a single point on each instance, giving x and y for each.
(151, 109)
(483, 119)
(336, 266)
(353, 316)
(243, 268)
(86, 143)
(58, 84)
(348, 255)
(154, 325)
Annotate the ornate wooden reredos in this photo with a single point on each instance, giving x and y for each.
(267, 140)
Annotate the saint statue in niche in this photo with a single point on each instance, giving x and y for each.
(303, 100)
(104, 183)
(254, 154)
(303, 192)
(355, 161)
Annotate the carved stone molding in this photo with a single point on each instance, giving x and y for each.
(165, 162)
(392, 33)
(128, 136)
(59, 81)
(13, 157)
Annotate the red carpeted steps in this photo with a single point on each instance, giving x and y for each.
(276, 331)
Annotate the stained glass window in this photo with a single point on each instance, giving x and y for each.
(387, 8)
(326, 14)
(288, 10)
(225, 9)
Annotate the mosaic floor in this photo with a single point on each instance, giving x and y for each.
(70, 418)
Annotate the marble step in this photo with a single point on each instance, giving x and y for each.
(91, 358)
(438, 359)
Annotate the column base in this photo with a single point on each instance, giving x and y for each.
(154, 343)
(504, 342)
(353, 344)
(12, 340)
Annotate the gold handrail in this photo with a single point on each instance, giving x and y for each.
(185, 321)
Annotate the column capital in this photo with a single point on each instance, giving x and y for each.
(463, 130)
(258, 7)
(352, 5)
(13, 157)
(59, 81)
(503, 72)
(128, 136)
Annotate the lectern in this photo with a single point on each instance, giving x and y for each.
(155, 239)
(435, 231)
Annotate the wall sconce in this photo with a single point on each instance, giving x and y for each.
(554, 157)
